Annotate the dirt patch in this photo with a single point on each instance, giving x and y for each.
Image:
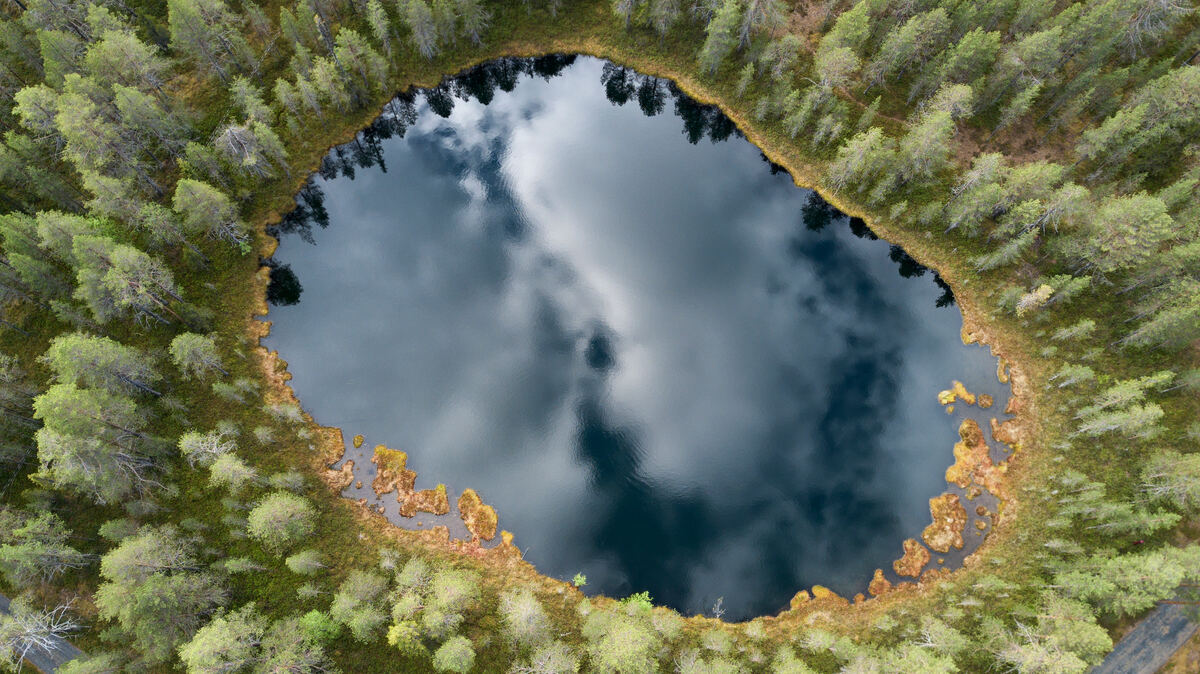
(916, 556)
(949, 521)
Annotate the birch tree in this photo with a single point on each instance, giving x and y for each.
(25, 629)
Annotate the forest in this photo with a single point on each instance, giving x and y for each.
(165, 503)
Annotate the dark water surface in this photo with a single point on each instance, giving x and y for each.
(666, 366)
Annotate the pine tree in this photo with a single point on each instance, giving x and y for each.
(1174, 315)
(195, 355)
(249, 100)
(760, 16)
(204, 209)
(381, 26)
(155, 590)
(366, 68)
(419, 19)
(142, 115)
(92, 442)
(100, 362)
(34, 548)
(119, 57)
(205, 31)
(720, 36)
(1129, 584)
(861, 160)
(1126, 232)
(476, 19)
(911, 45)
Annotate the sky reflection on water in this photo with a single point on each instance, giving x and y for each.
(646, 353)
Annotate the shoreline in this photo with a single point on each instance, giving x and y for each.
(975, 330)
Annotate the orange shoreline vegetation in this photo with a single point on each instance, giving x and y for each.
(956, 392)
(391, 472)
(949, 522)
(479, 517)
(973, 461)
(504, 561)
(916, 556)
(972, 465)
(879, 584)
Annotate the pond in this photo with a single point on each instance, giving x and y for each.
(577, 291)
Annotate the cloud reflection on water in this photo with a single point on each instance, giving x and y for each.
(631, 345)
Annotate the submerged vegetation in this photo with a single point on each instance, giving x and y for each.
(165, 502)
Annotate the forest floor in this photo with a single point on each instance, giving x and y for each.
(47, 662)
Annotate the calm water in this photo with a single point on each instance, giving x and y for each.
(665, 365)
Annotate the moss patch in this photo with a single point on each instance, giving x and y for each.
(432, 501)
(956, 392)
(479, 517)
(879, 585)
(391, 472)
(973, 461)
(916, 556)
(949, 521)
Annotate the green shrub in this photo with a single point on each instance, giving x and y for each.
(305, 562)
(281, 520)
(319, 628)
(358, 604)
(454, 591)
(456, 655)
(405, 636)
(619, 643)
(525, 621)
